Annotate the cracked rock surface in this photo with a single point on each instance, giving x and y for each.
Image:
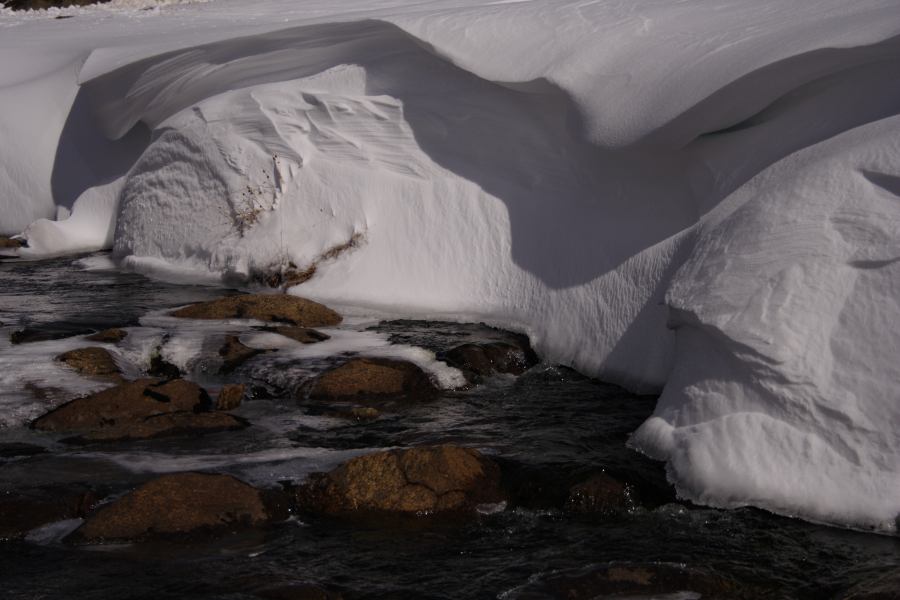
(422, 480)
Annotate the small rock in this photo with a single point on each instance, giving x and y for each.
(373, 378)
(230, 396)
(6, 242)
(364, 413)
(600, 494)
(93, 361)
(108, 336)
(423, 480)
(20, 512)
(264, 307)
(304, 335)
(176, 504)
(130, 401)
(234, 354)
(164, 425)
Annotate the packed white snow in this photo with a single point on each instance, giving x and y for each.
(701, 197)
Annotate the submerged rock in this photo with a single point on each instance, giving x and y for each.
(137, 410)
(164, 425)
(44, 333)
(230, 396)
(123, 403)
(373, 378)
(263, 307)
(22, 511)
(304, 335)
(485, 359)
(108, 336)
(92, 361)
(600, 494)
(176, 504)
(644, 580)
(234, 354)
(414, 481)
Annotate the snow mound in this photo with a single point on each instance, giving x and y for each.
(589, 173)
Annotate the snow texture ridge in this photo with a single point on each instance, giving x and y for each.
(695, 197)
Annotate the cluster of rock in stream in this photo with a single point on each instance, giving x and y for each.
(433, 482)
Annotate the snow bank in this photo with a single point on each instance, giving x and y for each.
(584, 171)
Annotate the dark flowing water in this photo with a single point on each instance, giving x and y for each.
(548, 428)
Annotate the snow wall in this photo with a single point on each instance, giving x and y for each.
(697, 197)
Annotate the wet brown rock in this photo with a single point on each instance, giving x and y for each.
(304, 335)
(6, 242)
(127, 402)
(885, 586)
(164, 425)
(45, 333)
(373, 378)
(93, 361)
(485, 359)
(176, 504)
(234, 354)
(20, 512)
(230, 396)
(423, 480)
(108, 336)
(600, 494)
(160, 367)
(645, 580)
(264, 307)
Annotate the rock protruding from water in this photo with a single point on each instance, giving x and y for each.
(278, 308)
(304, 335)
(644, 580)
(600, 494)
(373, 379)
(108, 336)
(20, 512)
(234, 354)
(93, 361)
(176, 504)
(10, 243)
(414, 481)
(230, 396)
(139, 409)
(484, 359)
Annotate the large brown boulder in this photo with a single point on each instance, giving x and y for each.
(280, 308)
(373, 378)
(177, 504)
(93, 361)
(126, 402)
(414, 481)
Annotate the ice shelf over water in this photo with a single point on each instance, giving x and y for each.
(701, 197)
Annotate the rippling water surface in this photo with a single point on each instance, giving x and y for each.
(548, 428)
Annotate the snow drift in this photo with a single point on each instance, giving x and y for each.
(694, 197)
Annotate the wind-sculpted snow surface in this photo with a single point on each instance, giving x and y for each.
(588, 172)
